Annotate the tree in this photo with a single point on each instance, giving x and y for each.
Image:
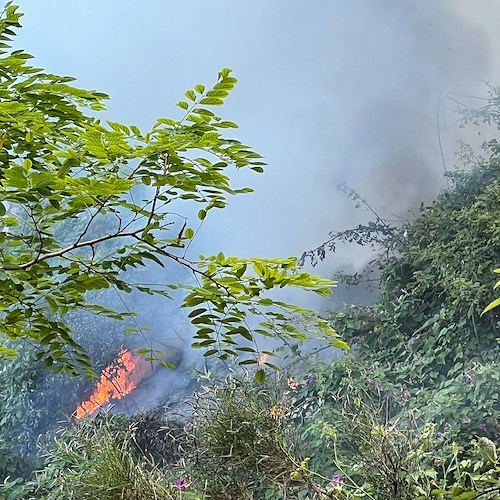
(61, 168)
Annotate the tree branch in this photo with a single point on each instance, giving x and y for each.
(74, 246)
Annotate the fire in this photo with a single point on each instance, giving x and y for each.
(117, 380)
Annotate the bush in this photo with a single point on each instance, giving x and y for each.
(241, 443)
(359, 429)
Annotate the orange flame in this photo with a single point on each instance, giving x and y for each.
(117, 380)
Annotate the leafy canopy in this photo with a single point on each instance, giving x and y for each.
(82, 202)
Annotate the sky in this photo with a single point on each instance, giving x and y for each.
(331, 91)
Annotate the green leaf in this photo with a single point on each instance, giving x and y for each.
(197, 312)
(8, 353)
(246, 349)
(339, 344)
(190, 95)
(468, 495)
(210, 352)
(248, 362)
(491, 306)
(244, 332)
(260, 376)
(81, 222)
(266, 302)
(199, 88)
(166, 364)
(211, 101)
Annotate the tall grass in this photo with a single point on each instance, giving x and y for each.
(97, 459)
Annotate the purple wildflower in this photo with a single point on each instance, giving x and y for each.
(336, 480)
(482, 426)
(182, 484)
(311, 380)
(368, 380)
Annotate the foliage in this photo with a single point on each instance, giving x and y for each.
(462, 399)
(33, 401)
(238, 444)
(319, 402)
(15, 404)
(424, 357)
(424, 341)
(241, 445)
(96, 459)
(377, 232)
(355, 432)
(83, 202)
(412, 413)
(426, 333)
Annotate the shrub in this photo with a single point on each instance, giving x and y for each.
(242, 445)
(359, 429)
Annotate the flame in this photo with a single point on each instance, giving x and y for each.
(263, 359)
(117, 380)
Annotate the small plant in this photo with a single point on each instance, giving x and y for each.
(242, 443)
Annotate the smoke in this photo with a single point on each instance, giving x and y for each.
(404, 58)
(330, 92)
